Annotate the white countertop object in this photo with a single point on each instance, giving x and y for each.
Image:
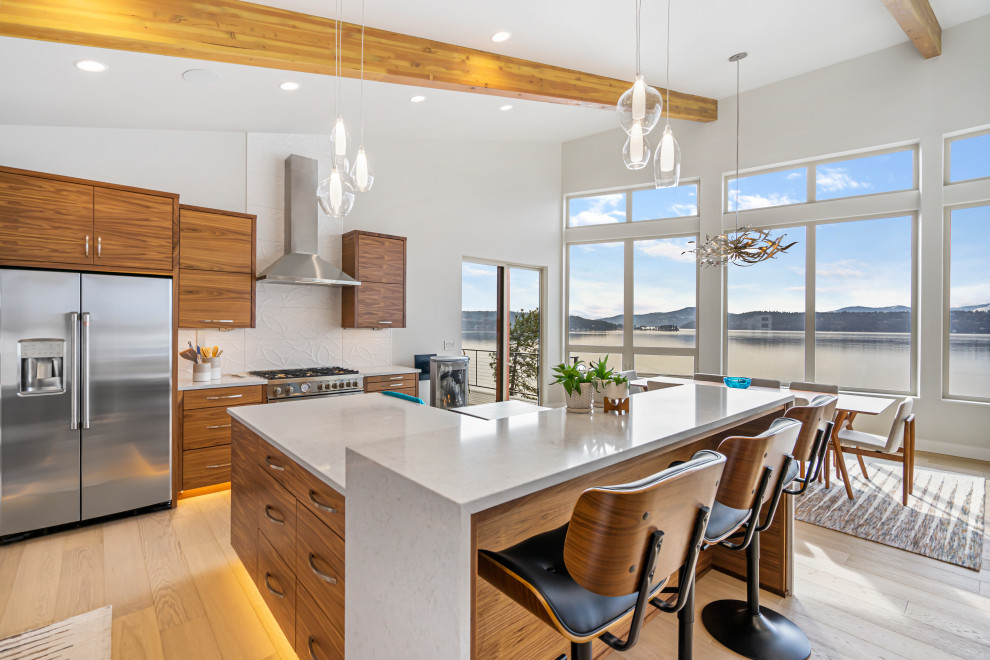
(500, 409)
(227, 380)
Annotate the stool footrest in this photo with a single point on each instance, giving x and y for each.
(766, 636)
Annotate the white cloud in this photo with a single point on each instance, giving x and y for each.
(837, 179)
(970, 294)
(666, 249)
(476, 271)
(793, 175)
(843, 269)
(602, 210)
(684, 209)
(756, 201)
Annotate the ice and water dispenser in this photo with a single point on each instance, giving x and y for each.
(42, 366)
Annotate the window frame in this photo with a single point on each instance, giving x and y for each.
(947, 155)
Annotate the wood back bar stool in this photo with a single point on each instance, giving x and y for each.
(745, 626)
(816, 433)
(614, 557)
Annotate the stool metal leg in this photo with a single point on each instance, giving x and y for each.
(580, 651)
(751, 630)
(685, 627)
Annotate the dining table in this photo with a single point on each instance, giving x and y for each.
(848, 407)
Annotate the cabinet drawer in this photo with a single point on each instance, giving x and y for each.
(215, 241)
(205, 467)
(320, 561)
(319, 635)
(211, 299)
(277, 515)
(277, 585)
(133, 230)
(378, 305)
(205, 427)
(397, 381)
(277, 465)
(319, 499)
(224, 397)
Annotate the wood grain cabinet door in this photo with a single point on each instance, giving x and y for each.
(133, 230)
(45, 220)
(381, 259)
(214, 241)
(379, 305)
(210, 299)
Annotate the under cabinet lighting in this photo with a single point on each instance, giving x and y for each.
(499, 37)
(91, 66)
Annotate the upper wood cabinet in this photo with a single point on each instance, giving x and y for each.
(45, 220)
(60, 222)
(378, 261)
(216, 268)
(133, 230)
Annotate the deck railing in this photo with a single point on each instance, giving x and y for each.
(481, 376)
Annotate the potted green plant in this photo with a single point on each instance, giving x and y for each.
(600, 374)
(617, 388)
(577, 386)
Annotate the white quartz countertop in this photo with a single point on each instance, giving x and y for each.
(315, 433)
(227, 380)
(487, 463)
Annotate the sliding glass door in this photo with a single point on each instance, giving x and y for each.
(502, 330)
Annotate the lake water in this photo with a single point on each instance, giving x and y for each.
(868, 360)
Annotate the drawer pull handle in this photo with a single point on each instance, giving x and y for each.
(216, 321)
(217, 466)
(219, 426)
(99, 246)
(225, 396)
(312, 651)
(271, 588)
(279, 468)
(87, 245)
(277, 521)
(396, 377)
(384, 323)
(319, 505)
(329, 579)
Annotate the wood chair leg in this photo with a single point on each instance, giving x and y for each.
(828, 468)
(840, 462)
(908, 473)
(862, 466)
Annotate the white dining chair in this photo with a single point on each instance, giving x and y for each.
(631, 375)
(898, 446)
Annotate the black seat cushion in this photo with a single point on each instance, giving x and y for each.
(539, 560)
(723, 521)
(792, 473)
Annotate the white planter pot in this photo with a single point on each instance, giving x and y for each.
(580, 400)
(616, 391)
(597, 395)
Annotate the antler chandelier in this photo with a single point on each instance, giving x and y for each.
(744, 246)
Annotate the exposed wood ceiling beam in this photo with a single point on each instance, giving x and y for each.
(243, 33)
(918, 21)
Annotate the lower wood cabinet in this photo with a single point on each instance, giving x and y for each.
(287, 527)
(404, 383)
(205, 467)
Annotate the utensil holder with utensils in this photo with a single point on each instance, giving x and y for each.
(202, 372)
(214, 364)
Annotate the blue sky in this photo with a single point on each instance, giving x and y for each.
(969, 282)
(479, 287)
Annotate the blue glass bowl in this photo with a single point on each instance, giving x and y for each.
(737, 382)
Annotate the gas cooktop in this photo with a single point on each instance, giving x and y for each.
(311, 381)
(308, 372)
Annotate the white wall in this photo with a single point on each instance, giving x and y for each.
(892, 96)
(451, 199)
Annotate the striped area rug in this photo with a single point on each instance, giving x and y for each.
(943, 520)
(83, 637)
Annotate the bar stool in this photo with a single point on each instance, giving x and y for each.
(813, 443)
(597, 571)
(746, 627)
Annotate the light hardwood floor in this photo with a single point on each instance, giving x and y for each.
(178, 591)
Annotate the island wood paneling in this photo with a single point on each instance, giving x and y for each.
(317, 638)
(257, 35)
(277, 585)
(45, 220)
(503, 630)
(319, 563)
(244, 497)
(133, 230)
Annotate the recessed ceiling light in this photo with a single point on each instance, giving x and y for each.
(499, 37)
(289, 86)
(92, 66)
(200, 76)
(417, 99)
(506, 108)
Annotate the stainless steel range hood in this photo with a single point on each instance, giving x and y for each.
(301, 264)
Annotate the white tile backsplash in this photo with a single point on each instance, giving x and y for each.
(297, 326)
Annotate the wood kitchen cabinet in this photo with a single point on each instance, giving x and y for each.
(53, 221)
(216, 268)
(378, 261)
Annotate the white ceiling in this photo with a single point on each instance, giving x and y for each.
(784, 38)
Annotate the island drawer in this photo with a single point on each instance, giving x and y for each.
(320, 562)
(279, 466)
(205, 427)
(277, 516)
(205, 467)
(222, 396)
(317, 638)
(277, 585)
(320, 499)
(391, 383)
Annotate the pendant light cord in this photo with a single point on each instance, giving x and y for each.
(362, 73)
(639, 9)
(668, 62)
(737, 144)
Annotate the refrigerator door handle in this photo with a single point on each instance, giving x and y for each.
(85, 370)
(74, 371)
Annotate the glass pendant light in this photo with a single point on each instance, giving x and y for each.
(336, 194)
(640, 104)
(636, 151)
(361, 173)
(340, 140)
(667, 162)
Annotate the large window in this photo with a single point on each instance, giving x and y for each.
(633, 298)
(969, 303)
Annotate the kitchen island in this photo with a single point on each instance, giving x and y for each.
(425, 489)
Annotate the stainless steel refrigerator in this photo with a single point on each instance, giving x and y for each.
(85, 396)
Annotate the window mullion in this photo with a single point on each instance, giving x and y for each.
(809, 303)
(628, 357)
